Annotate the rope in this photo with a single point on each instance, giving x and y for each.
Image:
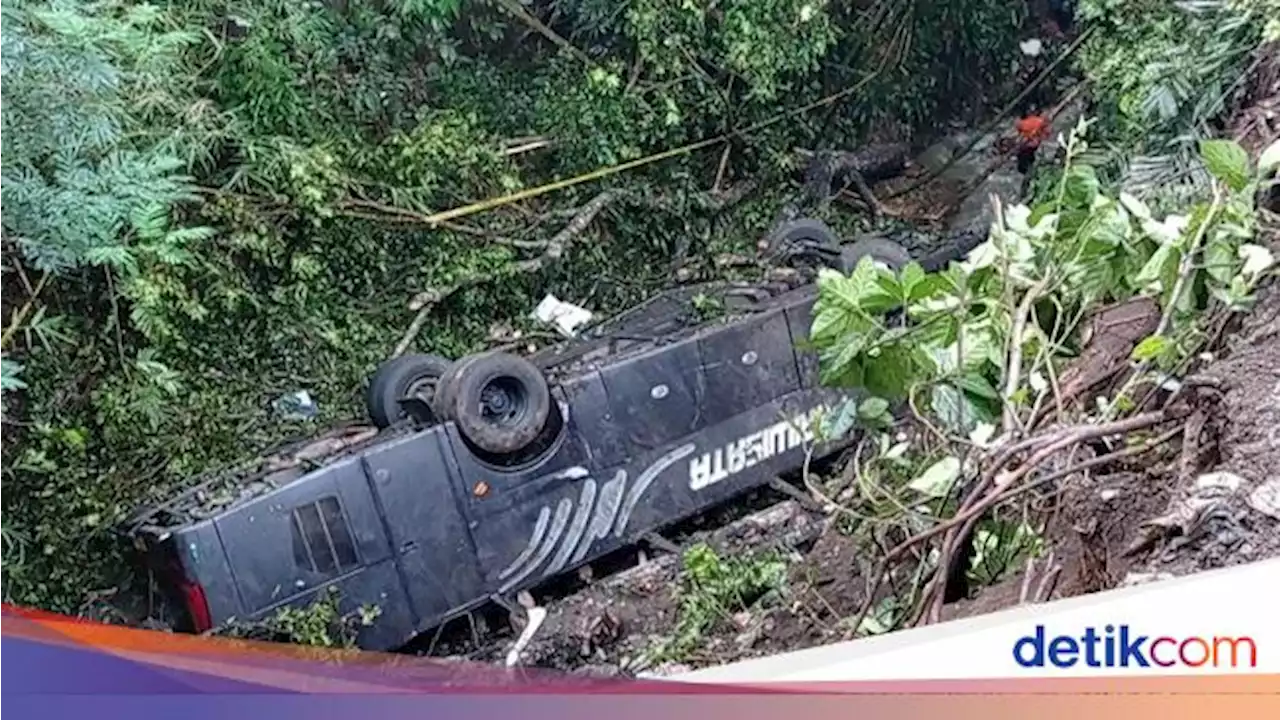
(483, 205)
(436, 219)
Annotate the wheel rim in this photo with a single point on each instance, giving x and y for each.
(503, 402)
(424, 389)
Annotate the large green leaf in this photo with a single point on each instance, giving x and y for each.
(1227, 161)
(891, 371)
(1081, 186)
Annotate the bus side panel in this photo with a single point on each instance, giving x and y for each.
(430, 539)
(303, 536)
(799, 322)
(374, 586)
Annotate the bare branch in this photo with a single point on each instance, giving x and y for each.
(553, 250)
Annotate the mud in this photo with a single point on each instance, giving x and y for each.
(1240, 529)
(616, 622)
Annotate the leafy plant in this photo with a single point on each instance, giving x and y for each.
(84, 159)
(969, 349)
(712, 588)
(320, 623)
(1076, 251)
(1162, 73)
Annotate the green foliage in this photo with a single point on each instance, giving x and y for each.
(9, 372)
(224, 193)
(1076, 251)
(84, 84)
(713, 588)
(1161, 73)
(318, 624)
(1002, 547)
(988, 334)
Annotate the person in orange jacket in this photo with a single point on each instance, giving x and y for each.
(1032, 128)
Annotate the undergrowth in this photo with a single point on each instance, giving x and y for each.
(208, 205)
(713, 589)
(980, 356)
(320, 623)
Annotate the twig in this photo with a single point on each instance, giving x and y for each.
(23, 311)
(1013, 367)
(554, 248)
(636, 68)
(786, 488)
(1081, 434)
(1027, 575)
(1186, 265)
(532, 144)
(720, 171)
(981, 501)
(924, 419)
(115, 315)
(1100, 460)
(1048, 583)
(936, 590)
(1186, 268)
(541, 28)
(22, 275)
(392, 213)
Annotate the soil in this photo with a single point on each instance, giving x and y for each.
(614, 622)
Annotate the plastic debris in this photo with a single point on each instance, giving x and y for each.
(1031, 47)
(296, 406)
(1210, 491)
(1217, 484)
(565, 317)
(1190, 514)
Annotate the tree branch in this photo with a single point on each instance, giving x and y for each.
(553, 250)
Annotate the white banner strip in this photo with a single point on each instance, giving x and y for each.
(1219, 621)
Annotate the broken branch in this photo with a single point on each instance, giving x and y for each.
(1014, 364)
(553, 250)
(997, 486)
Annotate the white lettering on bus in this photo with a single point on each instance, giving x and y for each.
(750, 450)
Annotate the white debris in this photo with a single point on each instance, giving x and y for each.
(1266, 498)
(1218, 483)
(566, 317)
(1210, 494)
(536, 616)
(1032, 47)
(296, 406)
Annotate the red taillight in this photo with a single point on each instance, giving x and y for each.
(197, 606)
